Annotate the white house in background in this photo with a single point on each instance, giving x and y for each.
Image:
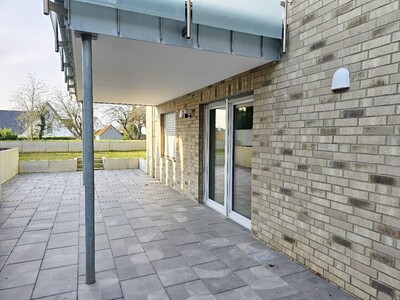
(108, 133)
(55, 126)
(97, 124)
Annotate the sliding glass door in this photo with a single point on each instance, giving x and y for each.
(228, 153)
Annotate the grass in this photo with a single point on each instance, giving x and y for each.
(71, 155)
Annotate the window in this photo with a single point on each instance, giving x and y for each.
(169, 135)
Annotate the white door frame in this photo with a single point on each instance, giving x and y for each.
(225, 209)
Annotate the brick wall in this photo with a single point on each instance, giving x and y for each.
(326, 179)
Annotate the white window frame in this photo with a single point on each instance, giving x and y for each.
(169, 135)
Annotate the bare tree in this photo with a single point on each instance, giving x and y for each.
(30, 97)
(121, 114)
(138, 119)
(69, 110)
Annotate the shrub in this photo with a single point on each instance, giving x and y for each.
(7, 134)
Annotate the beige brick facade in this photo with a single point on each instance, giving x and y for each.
(326, 179)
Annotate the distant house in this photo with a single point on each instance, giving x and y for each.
(55, 125)
(97, 124)
(108, 133)
(10, 119)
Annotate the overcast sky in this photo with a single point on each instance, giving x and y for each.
(26, 45)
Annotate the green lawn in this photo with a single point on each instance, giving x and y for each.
(72, 155)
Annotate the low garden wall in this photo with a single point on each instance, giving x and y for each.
(72, 146)
(71, 165)
(48, 166)
(8, 165)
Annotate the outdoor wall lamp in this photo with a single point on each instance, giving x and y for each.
(341, 80)
(184, 113)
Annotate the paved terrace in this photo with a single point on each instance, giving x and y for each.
(151, 243)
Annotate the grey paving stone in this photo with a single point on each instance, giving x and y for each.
(180, 237)
(63, 296)
(36, 236)
(185, 217)
(150, 234)
(60, 257)
(15, 222)
(65, 227)
(217, 277)
(7, 246)
(18, 293)
(283, 266)
(227, 229)
(143, 222)
(244, 293)
(197, 226)
(213, 240)
(20, 213)
(3, 260)
(247, 243)
(103, 260)
(298, 296)
(196, 253)
(116, 221)
(315, 287)
(25, 253)
(265, 283)
(16, 275)
(212, 218)
(159, 215)
(235, 258)
(101, 243)
(44, 215)
(160, 250)
(63, 240)
(173, 271)
(144, 288)
(10, 233)
(106, 287)
(135, 213)
(112, 212)
(40, 224)
(118, 232)
(56, 281)
(67, 217)
(125, 246)
(132, 266)
(190, 290)
(168, 224)
(265, 256)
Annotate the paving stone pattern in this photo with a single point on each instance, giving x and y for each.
(151, 243)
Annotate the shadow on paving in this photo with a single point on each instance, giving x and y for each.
(151, 243)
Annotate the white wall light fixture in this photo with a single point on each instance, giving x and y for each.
(341, 80)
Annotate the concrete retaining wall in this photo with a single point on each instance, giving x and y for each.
(8, 164)
(72, 146)
(48, 166)
(120, 163)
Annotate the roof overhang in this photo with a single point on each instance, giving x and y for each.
(140, 55)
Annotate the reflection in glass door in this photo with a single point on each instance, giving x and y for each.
(242, 153)
(216, 175)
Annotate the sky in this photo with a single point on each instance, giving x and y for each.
(26, 46)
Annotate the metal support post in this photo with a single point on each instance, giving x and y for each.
(88, 155)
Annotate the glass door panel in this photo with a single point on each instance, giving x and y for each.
(216, 159)
(241, 161)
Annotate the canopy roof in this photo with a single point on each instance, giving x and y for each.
(141, 56)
